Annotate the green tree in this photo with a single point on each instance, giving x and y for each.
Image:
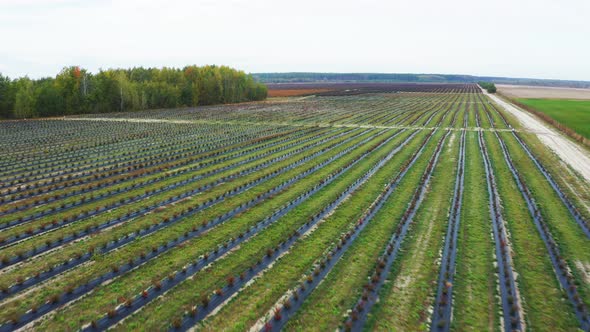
(48, 101)
(75, 91)
(490, 87)
(24, 105)
(105, 93)
(210, 86)
(72, 83)
(7, 96)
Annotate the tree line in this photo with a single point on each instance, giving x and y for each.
(76, 91)
(489, 86)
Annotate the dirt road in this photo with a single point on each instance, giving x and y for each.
(568, 151)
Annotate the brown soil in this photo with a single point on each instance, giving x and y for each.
(294, 92)
(524, 91)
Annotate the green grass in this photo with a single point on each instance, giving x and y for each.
(475, 304)
(250, 252)
(328, 303)
(574, 114)
(411, 287)
(208, 279)
(543, 304)
(257, 299)
(573, 243)
(575, 187)
(103, 263)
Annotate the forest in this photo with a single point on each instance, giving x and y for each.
(77, 91)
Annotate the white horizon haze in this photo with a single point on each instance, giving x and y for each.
(530, 39)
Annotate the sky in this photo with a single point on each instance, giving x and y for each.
(512, 38)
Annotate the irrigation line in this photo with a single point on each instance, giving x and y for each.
(511, 310)
(443, 304)
(441, 315)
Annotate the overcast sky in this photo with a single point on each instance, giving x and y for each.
(515, 38)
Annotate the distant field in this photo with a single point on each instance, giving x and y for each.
(294, 92)
(356, 88)
(574, 114)
(523, 91)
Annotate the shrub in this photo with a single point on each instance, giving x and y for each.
(54, 298)
(128, 303)
(489, 86)
(287, 304)
(278, 315)
(111, 313)
(177, 323)
(205, 300)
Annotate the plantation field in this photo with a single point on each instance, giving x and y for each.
(389, 207)
(574, 114)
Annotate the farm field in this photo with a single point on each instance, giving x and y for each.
(381, 207)
(524, 91)
(574, 114)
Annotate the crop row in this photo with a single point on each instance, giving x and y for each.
(304, 173)
(234, 230)
(241, 258)
(165, 187)
(235, 282)
(190, 210)
(325, 265)
(441, 314)
(560, 265)
(358, 314)
(117, 185)
(125, 158)
(508, 292)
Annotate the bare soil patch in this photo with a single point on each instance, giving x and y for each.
(295, 92)
(525, 91)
